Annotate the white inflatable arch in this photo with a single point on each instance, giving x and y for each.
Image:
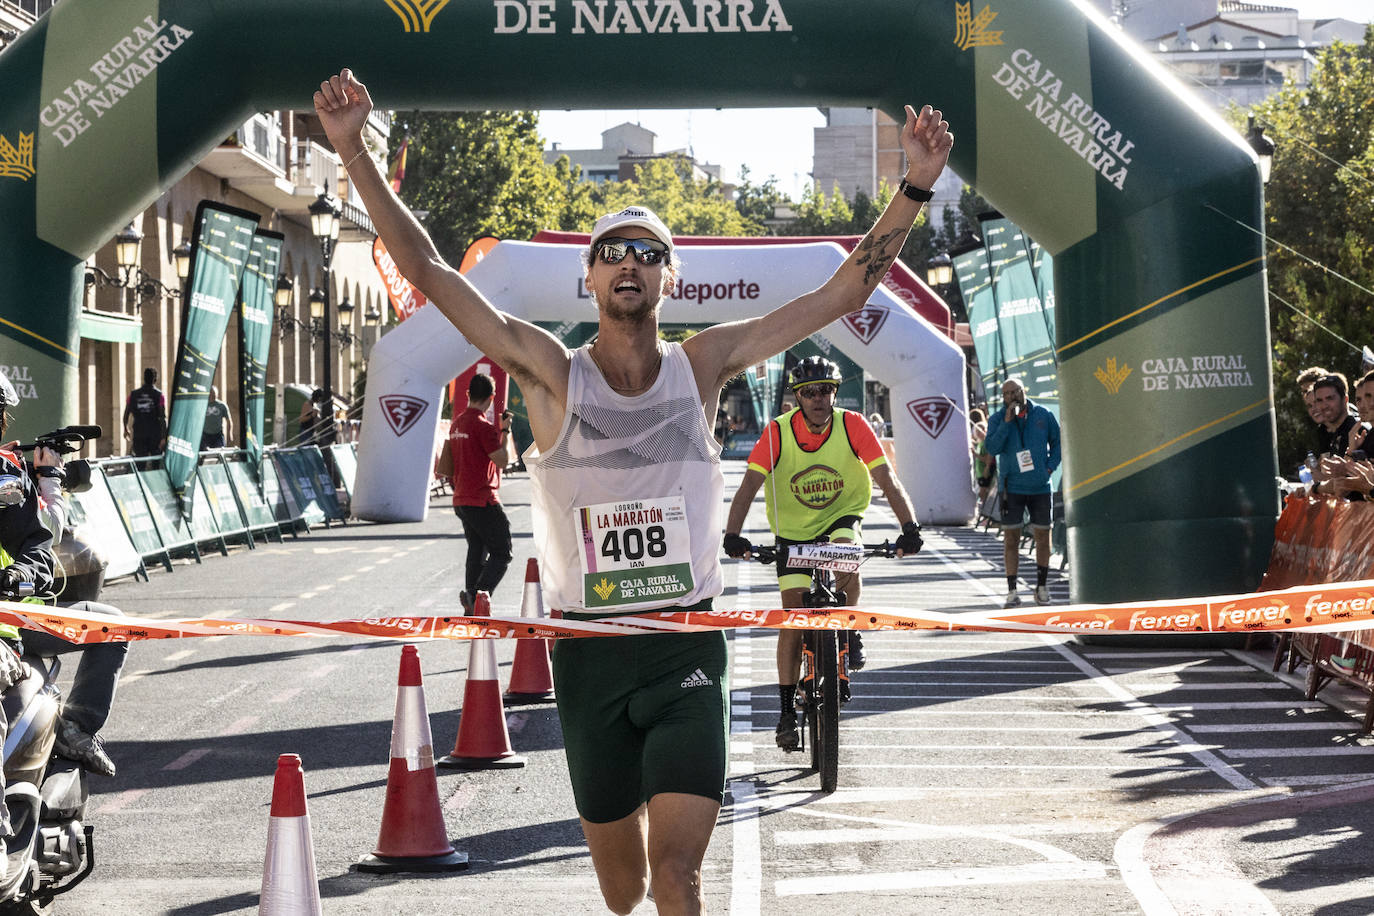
(539, 282)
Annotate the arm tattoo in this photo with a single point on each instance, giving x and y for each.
(873, 255)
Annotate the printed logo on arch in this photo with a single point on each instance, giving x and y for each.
(866, 322)
(402, 411)
(931, 414)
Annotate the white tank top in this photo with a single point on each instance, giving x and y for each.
(627, 504)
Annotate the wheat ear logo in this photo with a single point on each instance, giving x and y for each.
(17, 162)
(417, 15)
(972, 31)
(604, 588)
(1112, 377)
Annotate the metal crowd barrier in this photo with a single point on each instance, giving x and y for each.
(132, 516)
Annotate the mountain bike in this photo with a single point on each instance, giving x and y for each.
(824, 681)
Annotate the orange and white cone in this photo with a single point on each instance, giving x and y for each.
(412, 837)
(531, 674)
(483, 741)
(289, 885)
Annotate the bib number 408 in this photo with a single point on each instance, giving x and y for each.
(634, 543)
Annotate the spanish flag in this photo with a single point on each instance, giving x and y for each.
(398, 167)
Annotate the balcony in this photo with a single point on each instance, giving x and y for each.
(257, 160)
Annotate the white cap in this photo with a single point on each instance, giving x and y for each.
(642, 217)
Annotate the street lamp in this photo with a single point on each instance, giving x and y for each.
(940, 270)
(324, 225)
(285, 289)
(1263, 147)
(146, 287)
(372, 317)
(182, 256)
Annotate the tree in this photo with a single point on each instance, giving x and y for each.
(479, 173)
(1319, 202)
(688, 205)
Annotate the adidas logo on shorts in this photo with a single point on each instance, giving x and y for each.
(697, 678)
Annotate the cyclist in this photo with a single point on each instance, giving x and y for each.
(824, 460)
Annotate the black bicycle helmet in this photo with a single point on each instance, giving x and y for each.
(813, 370)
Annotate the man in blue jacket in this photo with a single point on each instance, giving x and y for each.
(1025, 439)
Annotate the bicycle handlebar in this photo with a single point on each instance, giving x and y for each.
(769, 554)
(19, 591)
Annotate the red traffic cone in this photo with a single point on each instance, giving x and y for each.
(412, 837)
(483, 742)
(289, 885)
(531, 674)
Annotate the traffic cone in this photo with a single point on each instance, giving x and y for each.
(289, 885)
(531, 674)
(483, 742)
(412, 837)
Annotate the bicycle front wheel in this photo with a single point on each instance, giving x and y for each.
(825, 734)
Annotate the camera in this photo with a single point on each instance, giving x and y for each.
(75, 475)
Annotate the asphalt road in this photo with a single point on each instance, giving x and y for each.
(980, 773)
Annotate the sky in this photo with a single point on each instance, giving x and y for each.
(776, 142)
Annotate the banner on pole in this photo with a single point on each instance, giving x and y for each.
(219, 251)
(256, 309)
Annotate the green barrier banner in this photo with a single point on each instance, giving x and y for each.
(971, 271)
(1042, 266)
(256, 308)
(1026, 345)
(220, 250)
(257, 509)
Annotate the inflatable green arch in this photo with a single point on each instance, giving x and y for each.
(1061, 123)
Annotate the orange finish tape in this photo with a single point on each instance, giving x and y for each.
(1307, 608)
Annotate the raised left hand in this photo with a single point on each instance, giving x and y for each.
(926, 140)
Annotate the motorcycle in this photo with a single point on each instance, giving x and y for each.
(48, 851)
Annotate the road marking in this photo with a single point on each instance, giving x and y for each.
(285, 605)
(127, 679)
(1204, 667)
(1073, 748)
(742, 767)
(178, 656)
(1271, 727)
(849, 835)
(869, 882)
(347, 577)
(187, 759)
(746, 881)
(1155, 653)
(1304, 781)
(1247, 704)
(1193, 685)
(1096, 715)
(969, 765)
(1348, 750)
(239, 726)
(1154, 716)
(122, 800)
(287, 695)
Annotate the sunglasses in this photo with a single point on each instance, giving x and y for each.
(813, 392)
(647, 252)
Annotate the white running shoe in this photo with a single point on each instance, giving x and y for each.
(1013, 600)
(1042, 594)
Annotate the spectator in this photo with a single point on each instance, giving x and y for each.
(219, 428)
(1024, 438)
(147, 409)
(474, 454)
(1305, 380)
(879, 425)
(1329, 398)
(1364, 407)
(984, 465)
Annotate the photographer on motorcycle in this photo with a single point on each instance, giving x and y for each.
(88, 703)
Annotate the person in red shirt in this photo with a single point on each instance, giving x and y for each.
(473, 455)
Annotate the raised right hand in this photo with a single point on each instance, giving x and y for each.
(343, 105)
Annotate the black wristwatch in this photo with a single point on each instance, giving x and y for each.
(920, 195)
